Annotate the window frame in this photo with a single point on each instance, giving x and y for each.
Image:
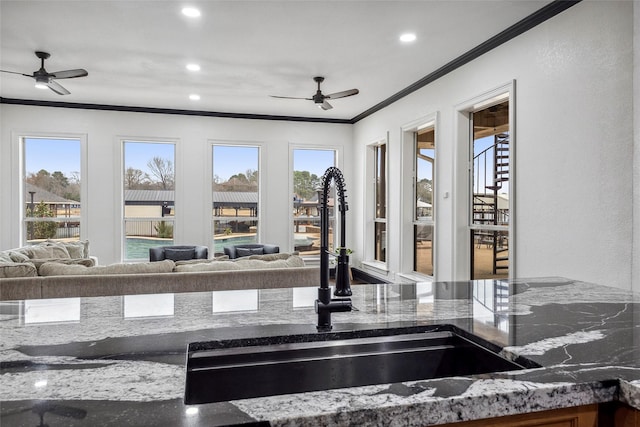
(177, 202)
(261, 147)
(461, 265)
(371, 198)
(19, 171)
(407, 191)
(337, 162)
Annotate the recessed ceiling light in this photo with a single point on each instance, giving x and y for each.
(191, 12)
(194, 97)
(408, 37)
(193, 67)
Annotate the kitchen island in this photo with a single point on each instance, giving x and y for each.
(121, 360)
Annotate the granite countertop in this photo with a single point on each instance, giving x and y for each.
(121, 360)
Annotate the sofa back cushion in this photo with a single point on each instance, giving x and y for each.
(58, 269)
(16, 269)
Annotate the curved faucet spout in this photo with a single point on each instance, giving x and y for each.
(325, 305)
(342, 283)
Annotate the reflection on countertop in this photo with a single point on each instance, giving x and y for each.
(93, 361)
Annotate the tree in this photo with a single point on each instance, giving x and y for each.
(43, 229)
(134, 179)
(305, 184)
(162, 170)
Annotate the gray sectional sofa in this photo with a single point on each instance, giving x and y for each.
(49, 273)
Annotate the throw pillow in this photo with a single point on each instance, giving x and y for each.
(76, 248)
(5, 257)
(249, 251)
(47, 251)
(179, 254)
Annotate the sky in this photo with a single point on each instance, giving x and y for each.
(64, 155)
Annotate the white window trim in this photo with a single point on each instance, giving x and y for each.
(370, 197)
(338, 150)
(262, 183)
(178, 193)
(460, 257)
(408, 196)
(18, 173)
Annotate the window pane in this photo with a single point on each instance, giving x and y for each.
(381, 181)
(308, 167)
(52, 189)
(235, 195)
(490, 254)
(149, 197)
(423, 249)
(425, 156)
(425, 160)
(381, 241)
(490, 174)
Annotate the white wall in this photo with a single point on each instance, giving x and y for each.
(104, 130)
(574, 145)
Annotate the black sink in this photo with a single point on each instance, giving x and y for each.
(215, 375)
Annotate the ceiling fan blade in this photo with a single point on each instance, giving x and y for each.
(70, 74)
(289, 97)
(326, 106)
(15, 72)
(343, 94)
(57, 88)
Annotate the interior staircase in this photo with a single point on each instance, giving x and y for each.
(494, 161)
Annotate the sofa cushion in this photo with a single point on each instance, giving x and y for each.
(15, 269)
(290, 262)
(202, 261)
(87, 262)
(59, 269)
(209, 266)
(272, 257)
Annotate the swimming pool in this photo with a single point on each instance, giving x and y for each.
(138, 248)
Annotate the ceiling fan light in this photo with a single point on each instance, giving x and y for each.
(42, 82)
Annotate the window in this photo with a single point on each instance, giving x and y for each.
(149, 197)
(380, 215)
(491, 169)
(308, 167)
(52, 189)
(423, 220)
(235, 188)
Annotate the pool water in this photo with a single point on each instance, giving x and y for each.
(138, 248)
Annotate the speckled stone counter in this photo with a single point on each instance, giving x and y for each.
(121, 360)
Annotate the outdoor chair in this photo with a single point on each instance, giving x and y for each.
(246, 249)
(178, 253)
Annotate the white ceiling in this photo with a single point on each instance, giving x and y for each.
(136, 51)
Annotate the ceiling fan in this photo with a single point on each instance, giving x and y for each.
(320, 99)
(45, 79)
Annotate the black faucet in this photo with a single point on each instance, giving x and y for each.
(325, 305)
